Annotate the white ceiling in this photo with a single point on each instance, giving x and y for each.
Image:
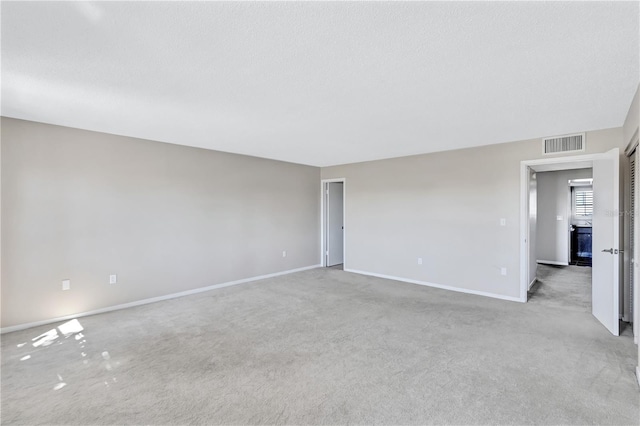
(322, 83)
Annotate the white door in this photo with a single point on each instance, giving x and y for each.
(335, 224)
(605, 288)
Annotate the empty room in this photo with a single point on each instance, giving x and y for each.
(319, 213)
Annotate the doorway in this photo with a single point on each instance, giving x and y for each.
(332, 226)
(560, 275)
(564, 210)
(605, 292)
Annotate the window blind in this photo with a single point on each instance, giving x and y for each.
(584, 202)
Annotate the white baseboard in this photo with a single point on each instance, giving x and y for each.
(151, 300)
(444, 287)
(552, 262)
(533, 281)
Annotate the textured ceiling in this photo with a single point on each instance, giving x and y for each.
(322, 83)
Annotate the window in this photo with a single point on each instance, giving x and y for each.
(583, 202)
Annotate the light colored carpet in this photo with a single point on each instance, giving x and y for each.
(567, 287)
(325, 347)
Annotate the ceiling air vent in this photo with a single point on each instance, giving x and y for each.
(562, 144)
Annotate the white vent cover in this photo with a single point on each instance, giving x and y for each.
(561, 144)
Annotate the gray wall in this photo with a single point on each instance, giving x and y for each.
(632, 120)
(446, 208)
(165, 218)
(552, 235)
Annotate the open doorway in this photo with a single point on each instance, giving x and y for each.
(332, 227)
(606, 260)
(564, 217)
(563, 239)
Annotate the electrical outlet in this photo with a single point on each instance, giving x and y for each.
(284, 253)
(113, 279)
(558, 217)
(503, 271)
(419, 261)
(66, 284)
(503, 222)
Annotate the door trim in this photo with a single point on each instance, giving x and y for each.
(632, 149)
(323, 220)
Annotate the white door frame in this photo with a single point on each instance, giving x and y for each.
(323, 220)
(540, 165)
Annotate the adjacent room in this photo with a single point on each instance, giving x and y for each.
(564, 215)
(319, 213)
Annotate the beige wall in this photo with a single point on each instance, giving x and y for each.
(165, 218)
(446, 208)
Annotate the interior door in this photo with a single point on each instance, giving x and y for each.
(335, 224)
(606, 259)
